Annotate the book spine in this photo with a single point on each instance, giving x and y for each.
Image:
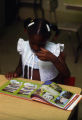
(73, 102)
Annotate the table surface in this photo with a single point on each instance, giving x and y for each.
(12, 108)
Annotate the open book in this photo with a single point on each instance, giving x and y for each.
(48, 93)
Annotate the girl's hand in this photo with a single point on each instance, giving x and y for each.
(45, 55)
(11, 75)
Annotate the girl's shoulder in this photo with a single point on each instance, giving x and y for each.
(22, 44)
(52, 44)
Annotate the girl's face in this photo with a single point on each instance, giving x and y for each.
(36, 42)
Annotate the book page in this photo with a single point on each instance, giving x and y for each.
(19, 88)
(54, 94)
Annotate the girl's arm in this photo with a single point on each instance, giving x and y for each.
(59, 61)
(18, 70)
(16, 73)
(60, 64)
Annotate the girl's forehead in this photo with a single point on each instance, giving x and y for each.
(36, 37)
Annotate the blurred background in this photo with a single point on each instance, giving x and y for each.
(66, 14)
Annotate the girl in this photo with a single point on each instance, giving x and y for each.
(40, 59)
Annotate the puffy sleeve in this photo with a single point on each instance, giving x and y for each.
(55, 48)
(20, 46)
(58, 48)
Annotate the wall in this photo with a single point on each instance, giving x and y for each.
(68, 15)
(79, 2)
(2, 13)
(63, 15)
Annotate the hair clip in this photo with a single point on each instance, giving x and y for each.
(48, 27)
(30, 24)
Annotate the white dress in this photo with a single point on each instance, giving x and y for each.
(46, 69)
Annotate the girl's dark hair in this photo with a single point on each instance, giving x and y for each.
(39, 26)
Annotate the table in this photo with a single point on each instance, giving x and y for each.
(12, 108)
